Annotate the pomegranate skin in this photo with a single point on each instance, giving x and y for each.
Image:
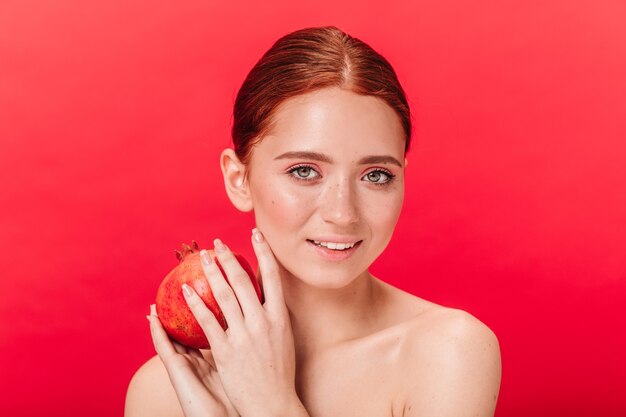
(172, 309)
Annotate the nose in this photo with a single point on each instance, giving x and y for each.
(339, 203)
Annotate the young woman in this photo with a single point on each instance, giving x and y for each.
(321, 130)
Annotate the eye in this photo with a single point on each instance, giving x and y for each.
(303, 172)
(379, 177)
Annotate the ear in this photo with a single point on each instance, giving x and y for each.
(236, 180)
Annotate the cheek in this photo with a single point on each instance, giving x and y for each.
(383, 214)
(281, 213)
(280, 207)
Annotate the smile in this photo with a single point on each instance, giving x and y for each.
(334, 245)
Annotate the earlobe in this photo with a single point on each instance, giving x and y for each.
(235, 180)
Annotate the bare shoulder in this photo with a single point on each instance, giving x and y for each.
(150, 392)
(450, 360)
(433, 325)
(452, 328)
(455, 362)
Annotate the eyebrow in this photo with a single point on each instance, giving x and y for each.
(316, 156)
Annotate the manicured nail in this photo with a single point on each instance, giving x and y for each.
(256, 235)
(204, 256)
(219, 246)
(186, 290)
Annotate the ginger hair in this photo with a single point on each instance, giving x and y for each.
(306, 60)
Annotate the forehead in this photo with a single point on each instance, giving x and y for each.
(335, 121)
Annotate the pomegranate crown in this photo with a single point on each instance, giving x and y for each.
(180, 255)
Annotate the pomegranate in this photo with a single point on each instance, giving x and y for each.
(171, 307)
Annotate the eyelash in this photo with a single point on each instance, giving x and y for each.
(291, 171)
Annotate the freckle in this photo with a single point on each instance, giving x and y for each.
(273, 202)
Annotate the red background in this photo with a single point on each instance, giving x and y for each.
(113, 113)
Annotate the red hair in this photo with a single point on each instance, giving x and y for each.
(306, 60)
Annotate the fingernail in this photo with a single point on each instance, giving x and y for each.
(256, 235)
(204, 256)
(153, 310)
(219, 246)
(186, 290)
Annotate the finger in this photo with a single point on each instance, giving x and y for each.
(269, 271)
(195, 353)
(239, 280)
(198, 356)
(205, 317)
(160, 339)
(222, 292)
(180, 349)
(207, 355)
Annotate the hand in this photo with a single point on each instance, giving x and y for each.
(255, 356)
(193, 375)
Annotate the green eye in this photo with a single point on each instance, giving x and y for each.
(374, 176)
(379, 177)
(303, 172)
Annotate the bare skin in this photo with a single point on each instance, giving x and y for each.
(393, 367)
(394, 371)
(351, 344)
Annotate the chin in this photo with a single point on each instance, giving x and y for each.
(328, 278)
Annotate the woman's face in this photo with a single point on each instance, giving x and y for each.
(327, 184)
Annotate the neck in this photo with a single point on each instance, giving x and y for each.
(322, 318)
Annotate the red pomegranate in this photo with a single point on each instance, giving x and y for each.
(171, 307)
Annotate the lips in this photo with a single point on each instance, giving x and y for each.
(334, 245)
(332, 250)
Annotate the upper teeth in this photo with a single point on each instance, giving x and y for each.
(333, 245)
